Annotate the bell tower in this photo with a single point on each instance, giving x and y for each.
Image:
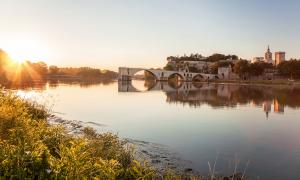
(268, 56)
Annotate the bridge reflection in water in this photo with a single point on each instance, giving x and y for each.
(194, 94)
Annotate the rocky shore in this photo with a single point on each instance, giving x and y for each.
(158, 156)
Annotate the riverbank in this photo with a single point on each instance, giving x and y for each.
(160, 157)
(37, 145)
(166, 164)
(261, 82)
(32, 148)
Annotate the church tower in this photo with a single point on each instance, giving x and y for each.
(268, 56)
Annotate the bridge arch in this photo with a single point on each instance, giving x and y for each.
(177, 83)
(197, 85)
(198, 77)
(134, 73)
(176, 74)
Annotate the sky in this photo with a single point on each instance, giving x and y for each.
(142, 33)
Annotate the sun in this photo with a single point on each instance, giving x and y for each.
(23, 49)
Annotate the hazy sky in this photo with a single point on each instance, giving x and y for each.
(135, 33)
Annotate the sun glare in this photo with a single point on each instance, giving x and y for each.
(23, 49)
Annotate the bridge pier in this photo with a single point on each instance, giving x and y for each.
(124, 78)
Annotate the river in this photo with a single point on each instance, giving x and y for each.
(249, 125)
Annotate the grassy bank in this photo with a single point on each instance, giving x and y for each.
(31, 148)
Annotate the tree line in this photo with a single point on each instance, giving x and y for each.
(12, 72)
(198, 57)
(82, 72)
(288, 69)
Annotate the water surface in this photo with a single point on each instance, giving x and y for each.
(200, 122)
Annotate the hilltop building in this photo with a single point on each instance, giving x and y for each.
(198, 65)
(257, 59)
(268, 56)
(201, 66)
(279, 57)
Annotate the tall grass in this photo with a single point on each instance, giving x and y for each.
(31, 148)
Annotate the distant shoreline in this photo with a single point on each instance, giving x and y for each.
(260, 82)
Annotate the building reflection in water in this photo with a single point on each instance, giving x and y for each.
(278, 108)
(269, 98)
(224, 95)
(267, 107)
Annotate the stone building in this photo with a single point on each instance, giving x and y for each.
(200, 66)
(226, 73)
(279, 57)
(257, 59)
(268, 56)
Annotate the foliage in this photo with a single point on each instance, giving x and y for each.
(192, 57)
(216, 65)
(168, 67)
(30, 71)
(258, 68)
(53, 70)
(218, 57)
(241, 67)
(289, 68)
(198, 57)
(218, 60)
(31, 148)
(14, 74)
(3, 59)
(85, 73)
(17, 73)
(3, 63)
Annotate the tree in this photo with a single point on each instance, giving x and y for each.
(3, 62)
(234, 57)
(216, 57)
(4, 59)
(214, 68)
(41, 68)
(53, 70)
(241, 68)
(289, 68)
(258, 68)
(168, 67)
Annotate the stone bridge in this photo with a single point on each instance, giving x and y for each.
(126, 74)
(127, 86)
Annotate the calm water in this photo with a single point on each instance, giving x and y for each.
(259, 124)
